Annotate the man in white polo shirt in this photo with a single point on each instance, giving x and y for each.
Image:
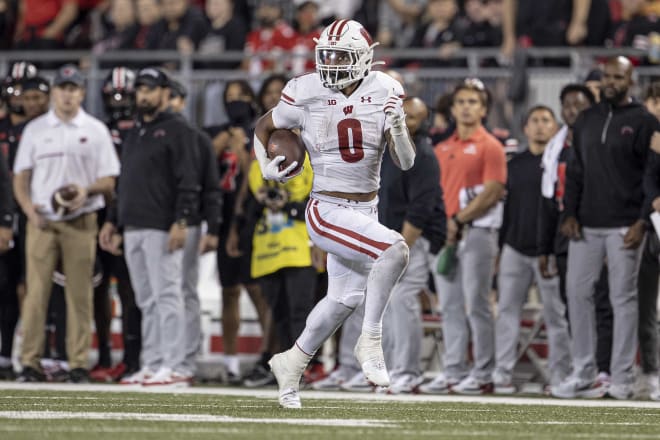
(64, 147)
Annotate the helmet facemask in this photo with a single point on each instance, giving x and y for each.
(341, 67)
(344, 54)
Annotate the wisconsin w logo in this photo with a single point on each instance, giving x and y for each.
(348, 109)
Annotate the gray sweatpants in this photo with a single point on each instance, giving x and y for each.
(464, 300)
(515, 276)
(585, 259)
(193, 326)
(402, 323)
(156, 278)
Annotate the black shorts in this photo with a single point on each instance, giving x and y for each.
(234, 271)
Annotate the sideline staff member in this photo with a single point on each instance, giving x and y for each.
(65, 146)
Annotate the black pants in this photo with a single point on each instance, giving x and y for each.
(291, 294)
(647, 285)
(604, 313)
(10, 276)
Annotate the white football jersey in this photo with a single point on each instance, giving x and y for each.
(344, 136)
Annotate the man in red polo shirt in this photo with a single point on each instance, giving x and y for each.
(473, 176)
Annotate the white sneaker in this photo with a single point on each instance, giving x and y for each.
(333, 381)
(369, 353)
(473, 386)
(620, 391)
(358, 383)
(441, 384)
(288, 371)
(573, 387)
(645, 385)
(405, 384)
(182, 379)
(138, 377)
(654, 389)
(162, 377)
(503, 384)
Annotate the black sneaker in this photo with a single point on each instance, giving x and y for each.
(7, 373)
(233, 379)
(59, 375)
(259, 377)
(29, 374)
(78, 375)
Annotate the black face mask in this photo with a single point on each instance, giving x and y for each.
(267, 22)
(240, 113)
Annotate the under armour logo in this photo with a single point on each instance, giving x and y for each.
(365, 99)
(348, 109)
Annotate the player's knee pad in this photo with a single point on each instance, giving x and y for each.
(396, 255)
(351, 299)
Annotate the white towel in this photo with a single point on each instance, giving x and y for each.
(550, 161)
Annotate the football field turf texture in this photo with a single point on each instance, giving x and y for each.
(94, 412)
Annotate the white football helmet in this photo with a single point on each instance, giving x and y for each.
(344, 54)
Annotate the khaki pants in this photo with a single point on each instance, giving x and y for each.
(74, 243)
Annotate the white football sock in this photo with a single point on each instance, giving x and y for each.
(385, 273)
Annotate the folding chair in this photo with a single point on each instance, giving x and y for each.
(533, 341)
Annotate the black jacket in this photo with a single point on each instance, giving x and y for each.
(6, 195)
(10, 136)
(209, 181)
(652, 177)
(414, 195)
(523, 195)
(158, 184)
(604, 176)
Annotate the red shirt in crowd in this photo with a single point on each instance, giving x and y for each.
(269, 43)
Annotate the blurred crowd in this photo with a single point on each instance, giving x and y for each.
(272, 27)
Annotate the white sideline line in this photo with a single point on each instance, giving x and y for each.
(328, 395)
(194, 418)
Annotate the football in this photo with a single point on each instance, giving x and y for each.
(288, 144)
(61, 199)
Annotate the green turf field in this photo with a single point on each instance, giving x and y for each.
(67, 413)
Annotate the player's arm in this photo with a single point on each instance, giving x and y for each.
(270, 168)
(402, 148)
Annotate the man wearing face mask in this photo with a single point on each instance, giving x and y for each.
(605, 217)
(158, 192)
(231, 144)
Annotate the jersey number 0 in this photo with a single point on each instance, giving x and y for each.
(348, 129)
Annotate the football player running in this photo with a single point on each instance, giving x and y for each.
(346, 115)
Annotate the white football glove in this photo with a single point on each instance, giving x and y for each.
(395, 115)
(272, 170)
